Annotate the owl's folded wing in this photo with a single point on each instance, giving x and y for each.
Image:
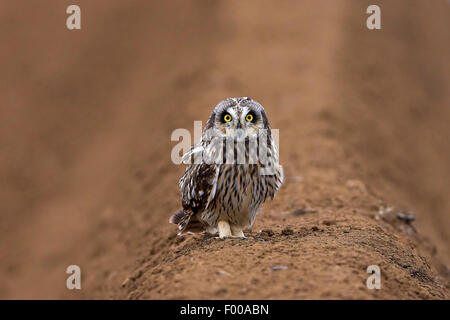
(198, 188)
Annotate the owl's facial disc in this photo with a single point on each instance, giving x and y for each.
(239, 121)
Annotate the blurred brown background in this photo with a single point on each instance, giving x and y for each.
(87, 117)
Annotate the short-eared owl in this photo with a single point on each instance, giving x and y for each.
(230, 172)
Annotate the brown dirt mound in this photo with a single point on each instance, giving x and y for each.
(363, 136)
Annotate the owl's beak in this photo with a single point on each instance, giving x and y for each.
(239, 125)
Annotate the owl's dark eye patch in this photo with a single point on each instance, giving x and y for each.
(251, 117)
(226, 117)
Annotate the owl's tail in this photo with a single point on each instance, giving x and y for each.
(177, 217)
(186, 221)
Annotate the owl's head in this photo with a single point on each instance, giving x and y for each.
(238, 115)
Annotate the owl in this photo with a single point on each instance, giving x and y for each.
(230, 172)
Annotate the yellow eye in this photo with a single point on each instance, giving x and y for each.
(227, 118)
(249, 117)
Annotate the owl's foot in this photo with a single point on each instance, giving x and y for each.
(232, 237)
(224, 230)
(237, 232)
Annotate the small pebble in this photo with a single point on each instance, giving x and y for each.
(278, 267)
(406, 216)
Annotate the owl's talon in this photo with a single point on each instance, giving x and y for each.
(221, 238)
